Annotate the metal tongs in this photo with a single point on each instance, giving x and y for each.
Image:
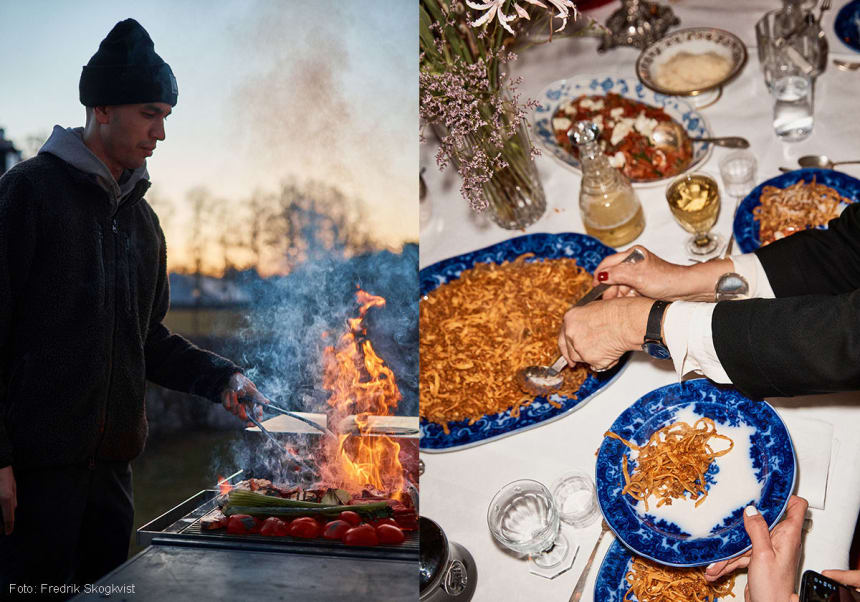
(294, 458)
(281, 410)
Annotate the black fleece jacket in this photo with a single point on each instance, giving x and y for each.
(83, 292)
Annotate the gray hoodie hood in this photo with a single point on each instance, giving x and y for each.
(68, 145)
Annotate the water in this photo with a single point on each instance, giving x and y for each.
(523, 518)
(792, 109)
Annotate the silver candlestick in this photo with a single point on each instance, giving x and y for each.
(637, 23)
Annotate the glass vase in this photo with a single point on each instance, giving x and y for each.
(515, 196)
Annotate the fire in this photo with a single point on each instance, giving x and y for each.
(362, 385)
(223, 485)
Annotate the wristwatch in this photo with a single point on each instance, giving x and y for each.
(653, 344)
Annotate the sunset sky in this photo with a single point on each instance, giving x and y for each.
(268, 90)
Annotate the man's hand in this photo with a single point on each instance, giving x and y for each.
(658, 279)
(772, 561)
(602, 331)
(8, 498)
(849, 578)
(240, 387)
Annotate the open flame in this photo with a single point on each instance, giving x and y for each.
(363, 386)
(223, 485)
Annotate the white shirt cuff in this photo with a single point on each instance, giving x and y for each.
(750, 268)
(687, 334)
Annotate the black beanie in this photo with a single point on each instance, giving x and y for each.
(126, 70)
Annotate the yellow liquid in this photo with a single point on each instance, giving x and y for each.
(615, 236)
(695, 203)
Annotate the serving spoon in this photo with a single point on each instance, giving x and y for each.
(822, 161)
(669, 135)
(544, 379)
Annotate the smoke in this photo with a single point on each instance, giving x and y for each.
(295, 316)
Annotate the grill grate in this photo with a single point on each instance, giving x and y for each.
(181, 526)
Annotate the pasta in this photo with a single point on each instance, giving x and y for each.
(803, 205)
(673, 462)
(651, 582)
(479, 330)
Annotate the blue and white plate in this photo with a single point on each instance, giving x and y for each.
(563, 90)
(759, 470)
(746, 228)
(588, 252)
(611, 584)
(847, 24)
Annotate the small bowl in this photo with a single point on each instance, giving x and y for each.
(695, 40)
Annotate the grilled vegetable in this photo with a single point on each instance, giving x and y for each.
(274, 527)
(389, 534)
(369, 511)
(243, 524)
(240, 497)
(336, 529)
(305, 527)
(353, 518)
(363, 535)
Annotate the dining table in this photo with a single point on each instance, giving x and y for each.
(457, 486)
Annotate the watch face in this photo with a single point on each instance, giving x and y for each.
(657, 350)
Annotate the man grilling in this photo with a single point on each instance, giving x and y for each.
(83, 292)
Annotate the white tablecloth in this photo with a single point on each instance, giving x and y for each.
(457, 487)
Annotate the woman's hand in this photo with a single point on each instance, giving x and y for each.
(602, 331)
(772, 561)
(658, 279)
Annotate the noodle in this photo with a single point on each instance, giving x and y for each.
(479, 330)
(673, 462)
(651, 582)
(803, 205)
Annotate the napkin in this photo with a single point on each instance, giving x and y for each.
(814, 445)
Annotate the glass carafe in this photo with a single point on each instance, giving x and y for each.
(609, 207)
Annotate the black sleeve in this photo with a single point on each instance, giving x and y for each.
(790, 346)
(174, 362)
(18, 219)
(816, 262)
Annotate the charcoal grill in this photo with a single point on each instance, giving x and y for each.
(180, 526)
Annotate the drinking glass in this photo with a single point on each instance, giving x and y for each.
(738, 172)
(695, 202)
(523, 518)
(792, 107)
(576, 498)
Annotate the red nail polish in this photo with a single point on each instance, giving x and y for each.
(602, 276)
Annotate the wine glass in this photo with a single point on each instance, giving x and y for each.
(695, 202)
(523, 518)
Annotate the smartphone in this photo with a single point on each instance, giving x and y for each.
(815, 587)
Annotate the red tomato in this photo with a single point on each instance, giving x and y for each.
(383, 521)
(273, 526)
(353, 518)
(389, 534)
(335, 529)
(242, 524)
(364, 535)
(305, 527)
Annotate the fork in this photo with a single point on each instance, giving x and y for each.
(825, 6)
(580, 585)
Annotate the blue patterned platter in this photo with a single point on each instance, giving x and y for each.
(611, 584)
(564, 90)
(847, 25)
(746, 228)
(759, 470)
(588, 252)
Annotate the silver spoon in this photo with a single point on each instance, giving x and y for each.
(846, 65)
(669, 135)
(822, 161)
(543, 379)
(731, 286)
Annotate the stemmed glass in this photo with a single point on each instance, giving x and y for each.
(523, 518)
(695, 202)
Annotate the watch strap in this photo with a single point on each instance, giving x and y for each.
(654, 327)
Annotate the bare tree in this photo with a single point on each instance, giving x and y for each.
(316, 220)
